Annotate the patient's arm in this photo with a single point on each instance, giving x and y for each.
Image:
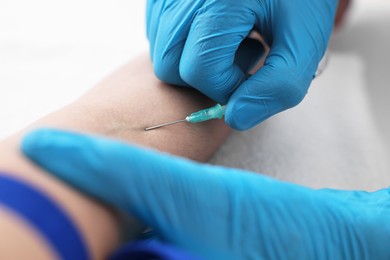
(119, 107)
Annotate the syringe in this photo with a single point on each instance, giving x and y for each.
(214, 112)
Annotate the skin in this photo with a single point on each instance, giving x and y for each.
(119, 107)
(341, 12)
(12, 225)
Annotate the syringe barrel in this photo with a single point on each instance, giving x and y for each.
(216, 111)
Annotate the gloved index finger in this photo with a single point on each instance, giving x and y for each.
(207, 62)
(172, 29)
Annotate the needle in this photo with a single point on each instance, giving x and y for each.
(216, 111)
(170, 123)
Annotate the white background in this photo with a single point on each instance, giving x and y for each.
(52, 51)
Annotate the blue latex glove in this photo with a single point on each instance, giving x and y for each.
(194, 42)
(216, 212)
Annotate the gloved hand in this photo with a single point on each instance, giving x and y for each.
(216, 212)
(194, 42)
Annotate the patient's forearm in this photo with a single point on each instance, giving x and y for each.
(133, 99)
(120, 107)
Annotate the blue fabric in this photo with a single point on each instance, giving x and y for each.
(42, 213)
(150, 249)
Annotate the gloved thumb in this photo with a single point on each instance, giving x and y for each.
(163, 191)
(280, 84)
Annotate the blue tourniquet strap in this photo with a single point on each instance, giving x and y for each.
(42, 213)
(151, 249)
